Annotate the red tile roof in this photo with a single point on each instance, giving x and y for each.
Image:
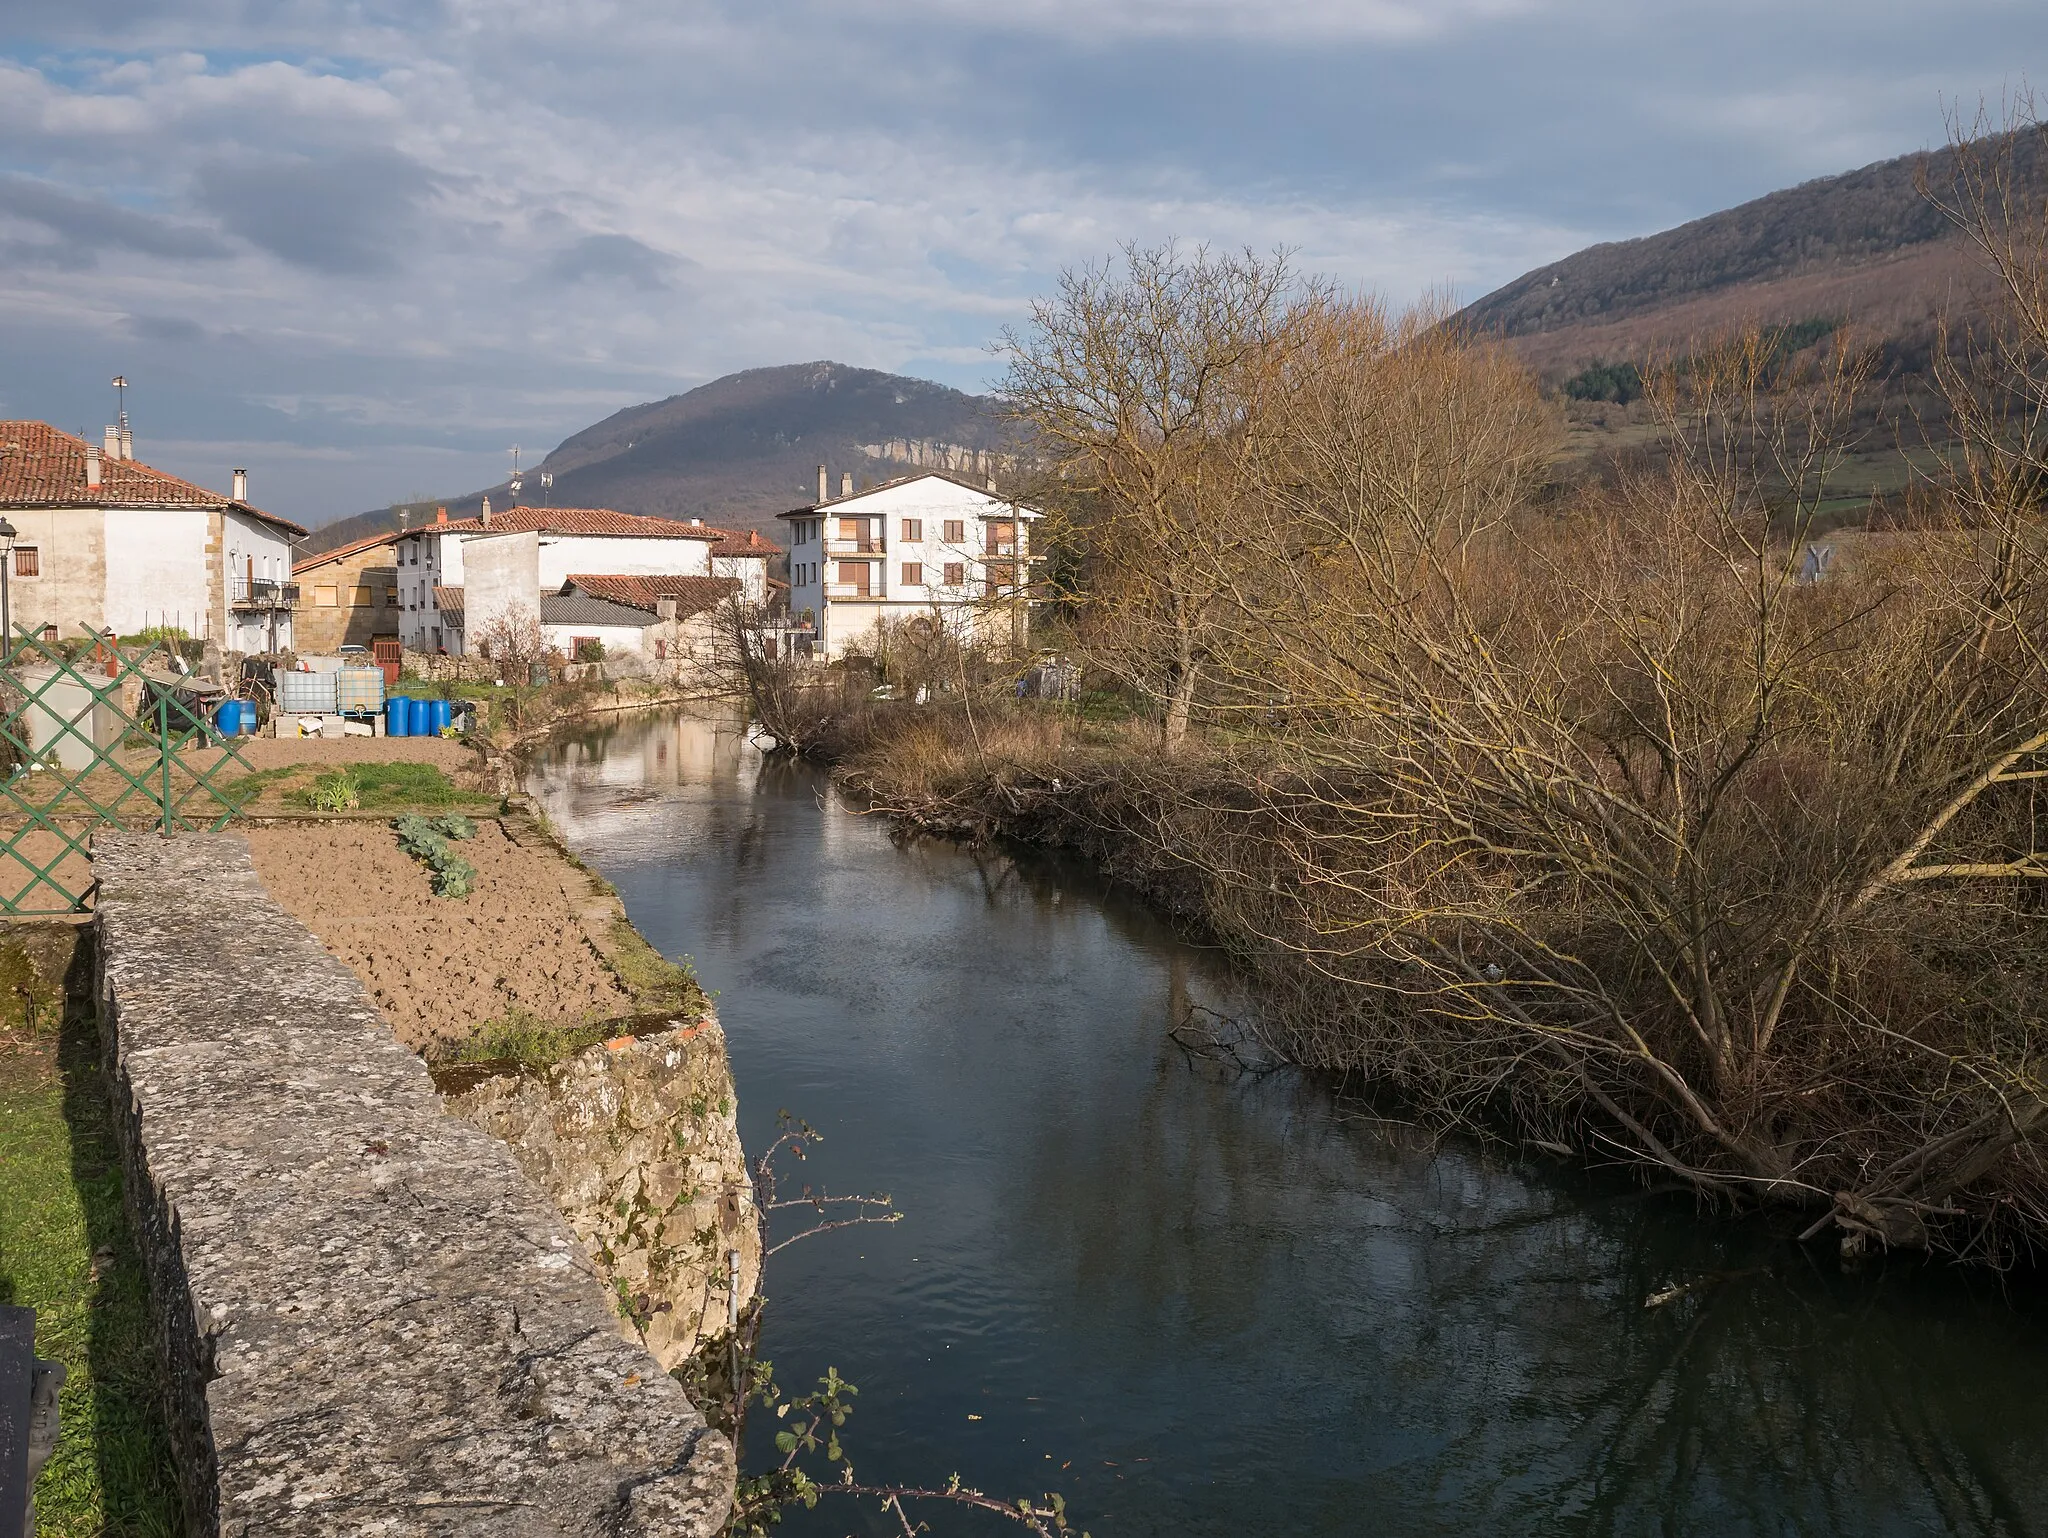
(343, 552)
(748, 544)
(43, 467)
(449, 601)
(693, 595)
(572, 520)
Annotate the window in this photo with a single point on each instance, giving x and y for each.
(326, 597)
(956, 573)
(391, 598)
(28, 561)
(855, 575)
(913, 528)
(913, 574)
(582, 645)
(660, 649)
(956, 531)
(49, 632)
(362, 597)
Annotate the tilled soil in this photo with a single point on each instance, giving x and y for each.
(525, 941)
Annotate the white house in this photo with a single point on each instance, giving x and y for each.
(102, 539)
(456, 577)
(930, 545)
(658, 619)
(436, 609)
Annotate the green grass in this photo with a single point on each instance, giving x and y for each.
(529, 1040)
(391, 787)
(66, 1251)
(655, 982)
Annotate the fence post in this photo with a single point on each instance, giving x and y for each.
(163, 749)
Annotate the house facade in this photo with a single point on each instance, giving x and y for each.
(102, 539)
(456, 577)
(660, 620)
(347, 597)
(932, 545)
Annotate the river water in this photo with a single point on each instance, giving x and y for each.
(1202, 1303)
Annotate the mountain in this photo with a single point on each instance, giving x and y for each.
(743, 448)
(1865, 247)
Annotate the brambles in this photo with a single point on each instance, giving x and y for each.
(426, 839)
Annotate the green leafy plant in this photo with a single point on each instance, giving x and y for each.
(339, 791)
(426, 839)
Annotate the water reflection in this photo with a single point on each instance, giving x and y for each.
(1206, 1304)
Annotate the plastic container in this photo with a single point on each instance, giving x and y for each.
(439, 715)
(359, 690)
(398, 716)
(305, 694)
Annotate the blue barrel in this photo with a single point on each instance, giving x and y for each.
(245, 724)
(441, 714)
(229, 718)
(398, 716)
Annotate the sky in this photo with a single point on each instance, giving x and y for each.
(363, 247)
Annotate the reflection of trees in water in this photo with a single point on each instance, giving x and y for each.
(1467, 1347)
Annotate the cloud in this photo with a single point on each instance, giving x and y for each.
(68, 230)
(351, 214)
(619, 258)
(329, 220)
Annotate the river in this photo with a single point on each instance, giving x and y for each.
(1197, 1302)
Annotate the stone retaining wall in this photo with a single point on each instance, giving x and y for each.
(374, 1322)
(637, 1142)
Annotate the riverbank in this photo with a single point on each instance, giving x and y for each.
(1466, 1004)
(552, 1024)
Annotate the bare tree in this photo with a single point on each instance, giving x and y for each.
(1144, 382)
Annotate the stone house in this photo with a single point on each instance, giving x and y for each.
(348, 596)
(102, 539)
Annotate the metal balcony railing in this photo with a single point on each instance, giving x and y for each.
(263, 593)
(855, 547)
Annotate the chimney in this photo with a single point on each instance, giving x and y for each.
(92, 467)
(823, 494)
(113, 443)
(991, 483)
(696, 523)
(241, 493)
(440, 515)
(665, 607)
(127, 442)
(485, 520)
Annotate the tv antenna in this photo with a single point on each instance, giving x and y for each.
(547, 484)
(517, 479)
(121, 399)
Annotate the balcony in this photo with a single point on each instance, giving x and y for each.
(262, 593)
(855, 548)
(841, 590)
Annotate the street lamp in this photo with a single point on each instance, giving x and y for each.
(6, 571)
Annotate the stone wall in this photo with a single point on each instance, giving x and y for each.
(637, 1143)
(374, 1322)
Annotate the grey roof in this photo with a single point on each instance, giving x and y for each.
(577, 609)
